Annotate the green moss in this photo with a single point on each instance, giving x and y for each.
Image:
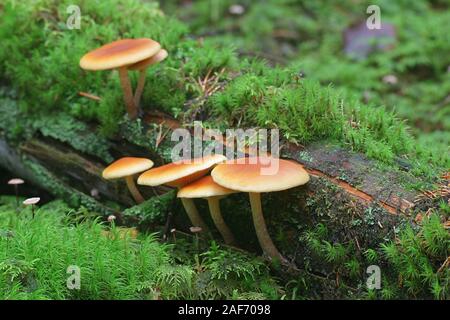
(28, 27)
(75, 133)
(35, 255)
(13, 125)
(306, 112)
(313, 45)
(416, 259)
(151, 211)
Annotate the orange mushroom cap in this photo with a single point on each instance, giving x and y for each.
(179, 174)
(203, 188)
(126, 166)
(160, 56)
(119, 53)
(246, 174)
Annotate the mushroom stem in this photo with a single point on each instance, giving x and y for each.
(216, 215)
(133, 189)
(32, 211)
(16, 190)
(140, 87)
(127, 92)
(261, 229)
(193, 214)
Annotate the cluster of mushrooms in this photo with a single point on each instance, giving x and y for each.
(191, 179)
(227, 176)
(124, 55)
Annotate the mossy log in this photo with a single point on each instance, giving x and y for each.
(74, 172)
(358, 200)
(362, 179)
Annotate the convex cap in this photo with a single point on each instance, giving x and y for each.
(119, 53)
(16, 181)
(126, 166)
(179, 174)
(245, 175)
(160, 56)
(31, 201)
(203, 188)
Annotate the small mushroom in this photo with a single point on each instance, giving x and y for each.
(119, 55)
(95, 193)
(212, 192)
(247, 175)
(236, 9)
(178, 175)
(125, 168)
(142, 68)
(16, 182)
(173, 231)
(32, 202)
(195, 229)
(111, 218)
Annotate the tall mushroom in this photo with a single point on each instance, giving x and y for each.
(179, 174)
(32, 202)
(125, 168)
(142, 68)
(212, 192)
(249, 175)
(119, 55)
(16, 182)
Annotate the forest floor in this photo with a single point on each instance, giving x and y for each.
(290, 65)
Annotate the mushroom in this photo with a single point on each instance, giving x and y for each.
(248, 176)
(173, 231)
(142, 67)
(212, 192)
(125, 168)
(119, 55)
(196, 231)
(32, 202)
(111, 219)
(15, 182)
(180, 174)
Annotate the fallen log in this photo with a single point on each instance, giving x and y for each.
(359, 203)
